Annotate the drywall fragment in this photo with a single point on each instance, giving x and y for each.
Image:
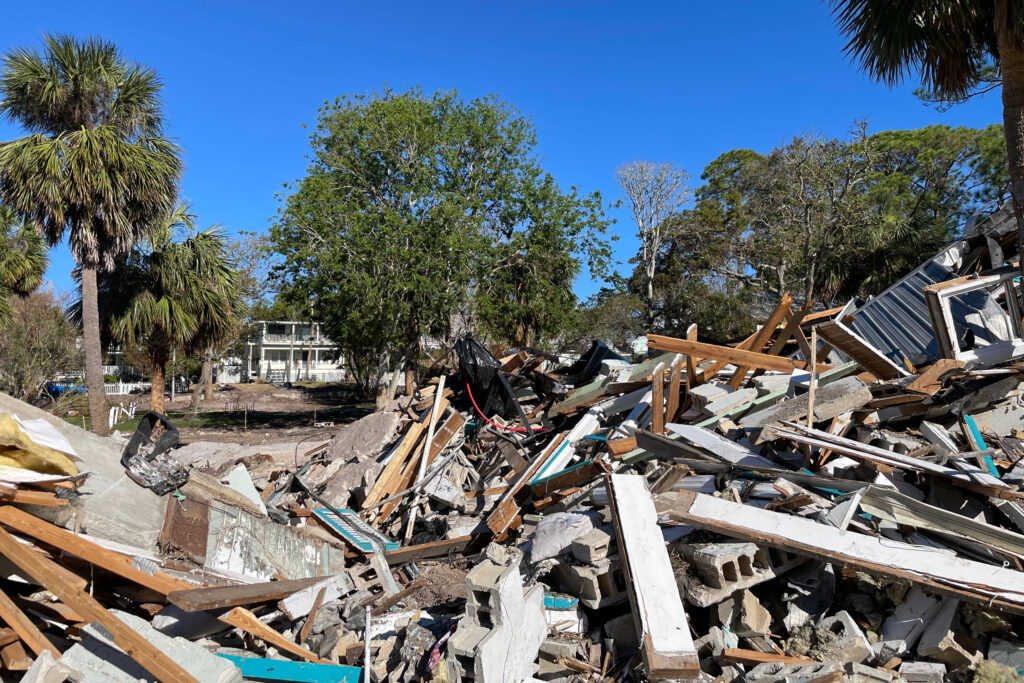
(239, 480)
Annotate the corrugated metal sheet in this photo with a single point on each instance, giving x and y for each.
(897, 322)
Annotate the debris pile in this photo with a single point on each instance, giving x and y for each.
(836, 497)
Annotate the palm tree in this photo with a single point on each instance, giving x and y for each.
(94, 165)
(956, 47)
(170, 292)
(22, 261)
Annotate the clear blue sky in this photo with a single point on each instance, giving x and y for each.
(604, 82)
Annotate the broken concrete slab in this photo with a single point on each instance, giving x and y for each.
(939, 642)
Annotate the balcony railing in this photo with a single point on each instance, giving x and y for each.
(275, 338)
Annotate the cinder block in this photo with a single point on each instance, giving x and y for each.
(708, 393)
(901, 631)
(859, 673)
(593, 545)
(923, 672)
(728, 567)
(851, 644)
(598, 585)
(777, 672)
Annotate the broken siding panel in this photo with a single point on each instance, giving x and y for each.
(243, 544)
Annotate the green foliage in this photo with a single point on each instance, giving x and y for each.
(94, 165)
(37, 345)
(23, 261)
(827, 219)
(413, 209)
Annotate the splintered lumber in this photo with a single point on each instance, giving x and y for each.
(12, 494)
(14, 657)
(245, 620)
(218, 597)
(674, 380)
(425, 551)
(506, 512)
(138, 647)
(24, 627)
(665, 641)
(753, 657)
(930, 567)
(727, 354)
(304, 633)
(930, 381)
(113, 562)
(383, 486)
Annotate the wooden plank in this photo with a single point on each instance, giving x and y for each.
(26, 629)
(856, 348)
(507, 510)
(762, 337)
(378, 491)
(665, 641)
(7, 635)
(304, 633)
(753, 657)
(113, 562)
(674, 380)
(961, 578)
(574, 476)
(930, 381)
(658, 401)
(219, 597)
(243, 619)
(12, 494)
(426, 551)
(727, 354)
(259, 669)
(621, 446)
(138, 648)
(14, 657)
(693, 378)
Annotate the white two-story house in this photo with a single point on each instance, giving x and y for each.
(286, 351)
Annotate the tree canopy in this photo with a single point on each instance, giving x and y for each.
(421, 212)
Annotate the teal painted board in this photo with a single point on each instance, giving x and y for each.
(353, 529)
(300, 672)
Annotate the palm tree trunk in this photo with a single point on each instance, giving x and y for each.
(158, 370)
(208, 374)
(93, 353)
(1011, 64)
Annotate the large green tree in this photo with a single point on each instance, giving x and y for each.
(170, 292)
(22, 261)
(955, 48)
(94, 166)
(413, 211)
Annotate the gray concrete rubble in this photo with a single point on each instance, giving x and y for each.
(701, 512)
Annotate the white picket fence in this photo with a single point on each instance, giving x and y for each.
(122, 388)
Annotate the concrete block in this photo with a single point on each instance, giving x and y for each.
(622, 631)
(597, 585)
(938, 641)
(729, 402)
(842, 396)
(859, 673)
(904, 627)
(593, 545)
(744, 615)
(708, 393)
(923, 672)
(777, 672)
(728, 567)
(1002, 420)
(851, 645)
(500, 636)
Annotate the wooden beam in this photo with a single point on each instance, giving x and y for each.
(961, 578)
(426, 551)
(753, 657)
(665, 641)
(380, 488)
(14, 657)
(930, 381)
(693, 378)
(674, 379)
(219, 597)
(113, 562)
(658, 401)
(727, 354)
(304, 633)
(138, 647)
(245, 620)
(762, 337)
(25, 628)
(13, 494)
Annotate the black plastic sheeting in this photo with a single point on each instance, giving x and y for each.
(590, 362)
(482, 370)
